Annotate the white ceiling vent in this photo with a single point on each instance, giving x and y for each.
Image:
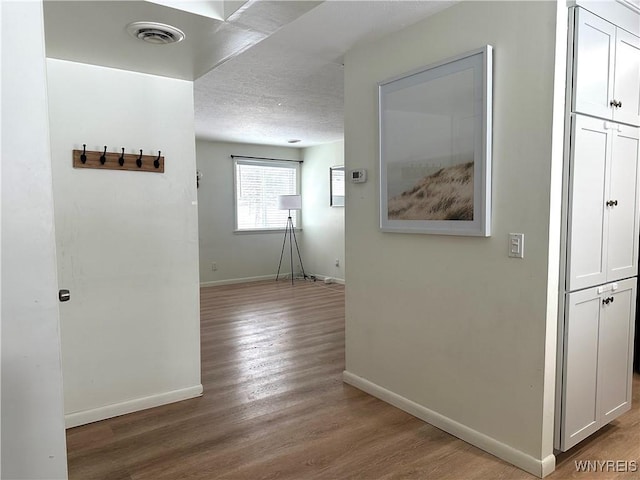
(156, 33)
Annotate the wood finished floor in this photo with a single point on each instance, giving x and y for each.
(275, 407)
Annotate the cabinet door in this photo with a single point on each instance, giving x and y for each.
(594, 48)
(587, 244)
(598, 354)
(623, 223)
(627, 78)
(615, 352)
(579, 412)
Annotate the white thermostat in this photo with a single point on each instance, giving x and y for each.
(358, 176)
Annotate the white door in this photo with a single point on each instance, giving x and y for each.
(623, 231)
(587, 245)
(579, 413)
(33, 436)
(593, 65)
(626, 88)
(615, 352)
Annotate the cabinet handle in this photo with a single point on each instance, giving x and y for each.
(607, 300)
(612, 203)
(614, 103)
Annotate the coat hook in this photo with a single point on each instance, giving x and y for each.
(121, 159)
(83, 157)
(156, 162)
(103, 157)
(139, 160)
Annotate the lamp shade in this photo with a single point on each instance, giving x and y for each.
(289, 202)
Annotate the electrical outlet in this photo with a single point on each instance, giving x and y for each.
(337, 262)
(214, 267)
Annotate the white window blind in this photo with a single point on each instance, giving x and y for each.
(258, 183)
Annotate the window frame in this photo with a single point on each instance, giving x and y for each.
(265, 162)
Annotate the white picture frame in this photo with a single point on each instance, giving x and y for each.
(435, 147)
(336, 186)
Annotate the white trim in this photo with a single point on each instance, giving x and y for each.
(285, 164)
(233, 281)
(266, 230)
(526, 462)
(622, 13)
(323, 278)
(108, 411)
(630, 5)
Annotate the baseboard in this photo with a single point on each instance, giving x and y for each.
(89, 416)
(323, 278)
(233, 281)
(526, 462)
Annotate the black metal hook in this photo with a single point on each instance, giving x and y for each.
(139, 160)
(121, 159)
(156, 162)
(83, 157)
(103, 157)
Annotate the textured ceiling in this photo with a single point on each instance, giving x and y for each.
(271, 95)
(271, 72)
(290, 85)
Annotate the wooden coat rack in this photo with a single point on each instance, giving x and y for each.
(118, 161)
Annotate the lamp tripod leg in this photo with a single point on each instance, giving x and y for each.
(304, 275)
(284, 241)
(290, 227)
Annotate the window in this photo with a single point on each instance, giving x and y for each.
(258, 183)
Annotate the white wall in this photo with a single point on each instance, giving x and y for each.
(239, 257)
(127, 241)
(33, 440)
(323, 225)
(450, 327)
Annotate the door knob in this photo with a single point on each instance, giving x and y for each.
(64, 295)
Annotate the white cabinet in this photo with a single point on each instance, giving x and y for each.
(601, 223)
(604, 222)
(597, 358)
(606, 70)
(598, 355)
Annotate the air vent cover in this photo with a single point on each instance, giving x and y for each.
(156, 33)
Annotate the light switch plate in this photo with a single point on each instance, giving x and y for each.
(516, 245)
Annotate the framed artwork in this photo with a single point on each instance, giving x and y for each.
(435, 148)
(336, 186)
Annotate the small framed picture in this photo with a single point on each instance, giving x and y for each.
(336, 186)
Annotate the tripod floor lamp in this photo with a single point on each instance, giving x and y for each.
(290, 202)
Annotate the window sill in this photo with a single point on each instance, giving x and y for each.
(253, 232)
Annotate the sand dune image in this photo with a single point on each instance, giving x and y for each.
(444, 195)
